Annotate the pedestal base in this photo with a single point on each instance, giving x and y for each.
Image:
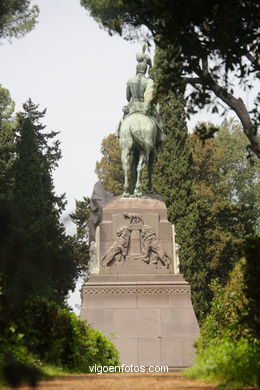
(150, 320)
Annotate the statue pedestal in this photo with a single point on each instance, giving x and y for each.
(137, 300)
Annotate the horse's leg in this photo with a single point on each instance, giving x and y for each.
(126, 167)
(133, 176)
(143, 157)
(150, 171)
(126, 145)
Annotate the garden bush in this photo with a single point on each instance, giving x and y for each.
(227, 317)
(12, 345)
(229, 364)
(228, 349)
(57, 336)
(235, 309)
(17, 364)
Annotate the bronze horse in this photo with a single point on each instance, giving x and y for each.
(138, 134)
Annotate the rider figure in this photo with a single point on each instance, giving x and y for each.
(139, 94)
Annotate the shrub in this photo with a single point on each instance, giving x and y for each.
(252, 285)
(85, 346)
(11, 344)
(17, 364)
(227, 317)
(229, 344)
(44, 329)
(235, 309)
(57, 336)
(229, 364)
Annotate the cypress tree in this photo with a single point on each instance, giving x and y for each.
(43, 261)
(173, 180)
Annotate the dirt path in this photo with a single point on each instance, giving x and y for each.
(167, 381)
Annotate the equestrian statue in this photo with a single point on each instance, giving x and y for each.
(140, 130)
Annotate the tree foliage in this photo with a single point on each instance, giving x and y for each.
(109, 168)
(39, 264)
(212, 41)
(234, 309)
(80, 240)
(222, 171)
(17, 18)
(43, 333)
(7, 136)
(227, 192)
(37, 256)
(228, 347)
(59, 337)
(240, 174)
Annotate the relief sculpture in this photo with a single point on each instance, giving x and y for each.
(118, 251)
(152, 252)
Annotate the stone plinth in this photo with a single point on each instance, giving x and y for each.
(150, 320)
(136, 300)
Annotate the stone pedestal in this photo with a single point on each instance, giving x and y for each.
(136, 300)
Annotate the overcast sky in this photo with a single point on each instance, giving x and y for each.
(73, 68)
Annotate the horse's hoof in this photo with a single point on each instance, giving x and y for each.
(138, 194)
(126, 194)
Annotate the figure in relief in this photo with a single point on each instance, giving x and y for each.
(152, 252)
(118, 251)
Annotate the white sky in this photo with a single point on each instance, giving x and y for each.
(73, 68)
